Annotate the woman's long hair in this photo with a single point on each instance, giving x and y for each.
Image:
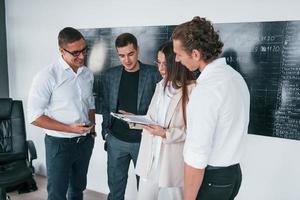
(177, 74)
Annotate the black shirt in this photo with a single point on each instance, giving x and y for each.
(127, 101)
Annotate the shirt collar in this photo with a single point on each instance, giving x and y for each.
(211, 66)
(66, 66)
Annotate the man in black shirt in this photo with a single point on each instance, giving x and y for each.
(127, 88)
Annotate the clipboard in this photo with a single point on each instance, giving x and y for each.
(135, 119)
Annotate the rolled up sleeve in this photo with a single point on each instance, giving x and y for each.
(39, 96)
(201, 120)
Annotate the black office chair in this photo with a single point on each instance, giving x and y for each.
(15, 162)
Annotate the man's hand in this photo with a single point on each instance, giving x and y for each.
(125, 112)
(51, 124)
(80, 128)
(135, 126)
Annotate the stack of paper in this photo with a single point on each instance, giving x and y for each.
(136, 119)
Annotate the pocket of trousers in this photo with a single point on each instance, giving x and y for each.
(220, 191)
(219, 185)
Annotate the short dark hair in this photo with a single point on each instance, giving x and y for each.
(68, 35)
(199, 34)
(126, 38)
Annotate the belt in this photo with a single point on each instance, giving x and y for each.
(209, 167)
(81, 138)
(77, 140)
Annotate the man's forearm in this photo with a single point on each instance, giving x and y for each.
(192, 181)
(51, 124)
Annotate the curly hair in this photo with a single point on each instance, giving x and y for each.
(199, 34)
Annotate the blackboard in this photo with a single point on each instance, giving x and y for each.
(267, 54)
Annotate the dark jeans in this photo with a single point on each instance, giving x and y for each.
(67, 163)
(221, 184)
(119, 155)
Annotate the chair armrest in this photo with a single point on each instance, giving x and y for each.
(32, 151)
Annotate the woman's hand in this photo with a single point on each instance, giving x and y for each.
(155, 130)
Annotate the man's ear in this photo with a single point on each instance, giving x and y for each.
(196, 54)
(61, 50)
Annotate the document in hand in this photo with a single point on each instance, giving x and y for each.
(136, 119)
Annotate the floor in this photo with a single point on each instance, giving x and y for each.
(41, 193)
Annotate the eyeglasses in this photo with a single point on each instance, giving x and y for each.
(158, 63)
(76, 53)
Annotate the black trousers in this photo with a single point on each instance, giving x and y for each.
(220, 183)
(67, 161)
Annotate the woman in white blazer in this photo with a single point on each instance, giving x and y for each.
(160, 160)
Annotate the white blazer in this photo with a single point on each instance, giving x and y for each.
(171, 155)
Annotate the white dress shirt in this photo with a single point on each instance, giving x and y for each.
(61, 94)
(217, 117)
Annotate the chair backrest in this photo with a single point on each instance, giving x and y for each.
(12, 131)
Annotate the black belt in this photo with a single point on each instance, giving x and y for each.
(77, 140)
(209, 167)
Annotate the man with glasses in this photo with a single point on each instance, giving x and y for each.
(62, 103)
(127, 88)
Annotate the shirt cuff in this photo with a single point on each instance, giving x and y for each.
(194, 159)
(33, 116)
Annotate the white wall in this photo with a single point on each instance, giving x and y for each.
(270, 166)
